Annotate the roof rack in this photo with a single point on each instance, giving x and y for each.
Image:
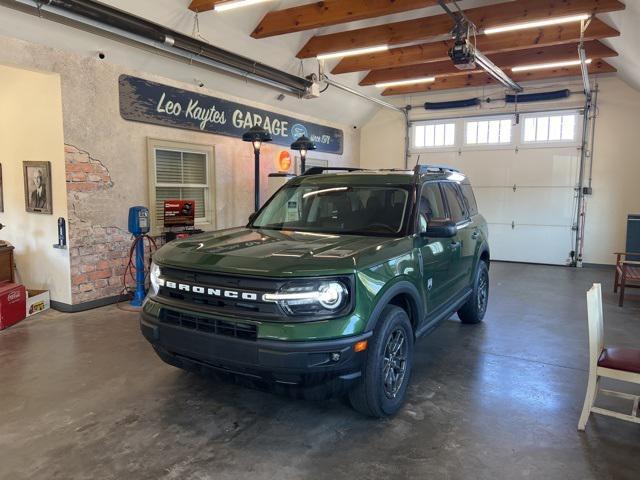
(319, 170)
(422, 169)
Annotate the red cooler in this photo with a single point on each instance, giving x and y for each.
(13, 304)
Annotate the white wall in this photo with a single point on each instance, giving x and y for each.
(382, 140)
(616, 170)
(31, 130)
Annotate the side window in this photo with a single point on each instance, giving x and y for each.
(457, 208)
(431, 206)
(467, 191)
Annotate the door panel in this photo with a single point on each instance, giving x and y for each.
(436, 255)
(436, 261)
(461, 243)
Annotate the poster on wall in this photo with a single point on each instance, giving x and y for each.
(179, 213)
(37, 187)
(150, 102)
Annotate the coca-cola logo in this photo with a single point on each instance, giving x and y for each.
(14, 296)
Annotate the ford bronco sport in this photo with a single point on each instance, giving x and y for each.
(330, 282)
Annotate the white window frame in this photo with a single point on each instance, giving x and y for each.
(492, 145)
(577, 134)
(154, 144)
(438, 148)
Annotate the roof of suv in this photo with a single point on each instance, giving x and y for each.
(378, 177)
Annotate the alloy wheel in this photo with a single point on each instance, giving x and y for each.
(394, 365)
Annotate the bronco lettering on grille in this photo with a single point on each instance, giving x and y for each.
(210, 291)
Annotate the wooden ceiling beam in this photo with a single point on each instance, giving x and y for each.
(423, 29)
(482, 79)
(488, 44)
(204, 5)
(527, 56)
(331, 12)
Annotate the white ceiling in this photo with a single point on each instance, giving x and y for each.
(230, 30)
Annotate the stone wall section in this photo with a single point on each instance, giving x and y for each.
(99, 254)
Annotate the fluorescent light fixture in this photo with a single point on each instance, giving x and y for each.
(326, 190)
(406, 82)
(543, 66)
(353, 52)
(536, 24)
(231, 4)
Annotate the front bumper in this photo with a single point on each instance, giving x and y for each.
(292, 363)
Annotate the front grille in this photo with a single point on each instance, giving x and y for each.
(244, 331)
(228, 306)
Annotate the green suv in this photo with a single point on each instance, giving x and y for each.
(328, 285)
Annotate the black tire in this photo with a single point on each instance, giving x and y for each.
(376, 395)
(474, 310)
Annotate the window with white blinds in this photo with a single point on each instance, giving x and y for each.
(181, 175)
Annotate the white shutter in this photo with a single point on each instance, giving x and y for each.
(194, 168)
(168, 166)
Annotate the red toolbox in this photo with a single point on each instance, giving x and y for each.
(13, 304)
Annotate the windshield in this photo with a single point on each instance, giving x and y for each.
(362, 209)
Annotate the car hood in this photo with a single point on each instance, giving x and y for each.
(271, 252)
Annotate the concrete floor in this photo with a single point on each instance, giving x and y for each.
(84, 396)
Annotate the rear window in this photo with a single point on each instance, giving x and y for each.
(470, 198)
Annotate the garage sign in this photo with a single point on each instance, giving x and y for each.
(150, 102)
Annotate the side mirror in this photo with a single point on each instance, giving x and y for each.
(441, 230)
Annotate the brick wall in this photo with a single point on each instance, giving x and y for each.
(99, 253)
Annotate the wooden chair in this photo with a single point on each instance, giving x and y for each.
(627, 274)
(607, 362)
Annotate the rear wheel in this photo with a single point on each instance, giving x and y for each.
(474, 310)
(382, 388)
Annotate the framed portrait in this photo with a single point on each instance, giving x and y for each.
(37, 187)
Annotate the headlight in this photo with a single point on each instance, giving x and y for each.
(313, 297)
(154, 274)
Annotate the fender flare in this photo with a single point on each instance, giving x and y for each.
(484, 248)
(401, 287)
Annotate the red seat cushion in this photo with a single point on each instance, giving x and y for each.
(616, 358)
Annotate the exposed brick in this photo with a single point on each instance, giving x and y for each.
(82, 187)
(87, 267)
(98, 274)
(103, 265)
(78, 279)
(86, 287)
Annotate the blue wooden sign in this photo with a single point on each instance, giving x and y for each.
(150, 102)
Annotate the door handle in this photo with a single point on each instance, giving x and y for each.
(475, 235)
(454, 245)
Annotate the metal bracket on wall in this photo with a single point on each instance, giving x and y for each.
(513, 225)
(515, 187)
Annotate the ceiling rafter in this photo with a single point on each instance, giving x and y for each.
(482, 79)
(488, 44)
(204, 5)
(422, 29)
(505, 60)
(331, 12)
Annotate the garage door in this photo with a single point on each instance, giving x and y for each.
(524, 177)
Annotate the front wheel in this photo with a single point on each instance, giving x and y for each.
(382, 389)
(473, 311)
